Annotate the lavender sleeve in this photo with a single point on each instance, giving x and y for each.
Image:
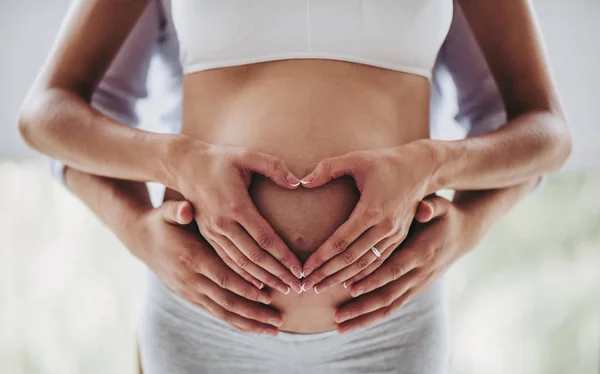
(480, 109)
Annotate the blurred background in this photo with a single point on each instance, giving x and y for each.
(526, 301)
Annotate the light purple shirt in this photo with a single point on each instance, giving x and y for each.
(480, 106)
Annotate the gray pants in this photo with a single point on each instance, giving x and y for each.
(177, 337)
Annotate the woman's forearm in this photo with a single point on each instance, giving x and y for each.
(527, 147)
(64, 126)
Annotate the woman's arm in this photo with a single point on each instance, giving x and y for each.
(393, 181)
(58, 120)
(56, 117)
(536, 139)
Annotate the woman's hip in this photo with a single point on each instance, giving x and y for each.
(177, 337)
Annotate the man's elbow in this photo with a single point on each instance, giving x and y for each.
(38, 116)
(27, 120)
(558, 141)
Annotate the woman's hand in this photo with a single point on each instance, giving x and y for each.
(215, 179)
(392, 182)
(399, 276)
(188, 266)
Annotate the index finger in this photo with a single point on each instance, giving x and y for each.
(338, 242)
(266, 238)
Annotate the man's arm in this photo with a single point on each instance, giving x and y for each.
(453, 229)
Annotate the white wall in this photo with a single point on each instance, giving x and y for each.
(571, 29)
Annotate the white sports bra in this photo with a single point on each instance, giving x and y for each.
(402, 35)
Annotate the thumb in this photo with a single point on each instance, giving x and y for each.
(177, 212)
(431, 207)
(271, 167)
(332, 168)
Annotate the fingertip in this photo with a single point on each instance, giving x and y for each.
(308, 179)
(185, 213)
(425, 212)
(292, 181)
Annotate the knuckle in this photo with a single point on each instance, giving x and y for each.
(242, 262)
(340, 245)
(396, 271)
(252, 314)
(389, 225)
(249, 293)
(236, 208)
(429, 254)
(388, 299)
(229, 304)
(325, 166)
(186, 281)
(374, 213)
(275, 164)
(258, 257)
(183, 258)
(222, 280)
(363, 263)
(348, 258)
(265, 241)
(219, 222)
(402, 232)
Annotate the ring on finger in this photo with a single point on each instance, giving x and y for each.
(376, 252)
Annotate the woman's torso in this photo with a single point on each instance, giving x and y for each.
(305, 110)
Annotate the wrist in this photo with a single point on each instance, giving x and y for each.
(473, 227)
(171, 151)
(435, 154)
(131, 226)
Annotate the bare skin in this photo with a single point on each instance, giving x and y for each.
(303, 111)
(300, 112)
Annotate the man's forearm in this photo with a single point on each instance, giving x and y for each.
(118, 203)
(486, 207)
(527, 147)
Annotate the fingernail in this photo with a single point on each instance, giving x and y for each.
(275, 322)
(308, 271)
(296, 286)
(307, 285)
(258, 284)
(322, 287)
(283, 289)
(271, 332)
(357, 293)
(316, 291)
(297, 272)
(265, 299)
(307, 179)
(343, 317)
(347, 284)
(292, 180)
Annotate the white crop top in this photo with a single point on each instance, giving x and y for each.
(402, 35)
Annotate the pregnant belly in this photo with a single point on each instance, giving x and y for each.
(304, 112)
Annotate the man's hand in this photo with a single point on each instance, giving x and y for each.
(183, 260)
(442, 236)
